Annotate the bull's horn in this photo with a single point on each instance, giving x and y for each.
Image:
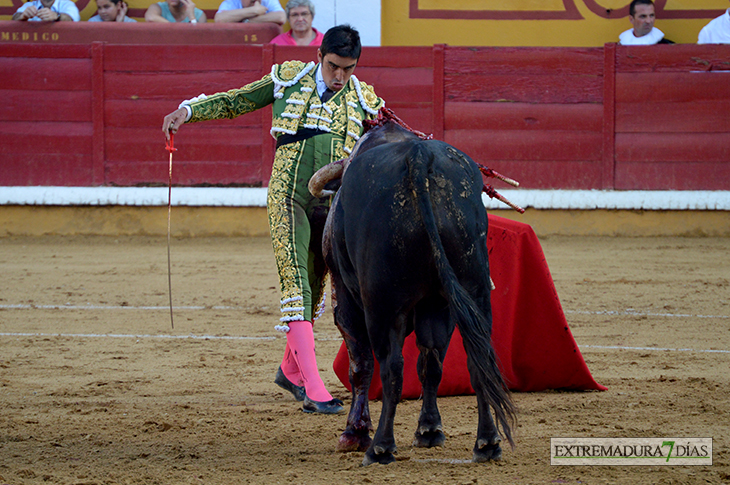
(324, 175)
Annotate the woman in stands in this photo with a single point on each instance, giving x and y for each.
(182, 11)
(111, 11)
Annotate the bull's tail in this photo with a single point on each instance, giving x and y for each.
(471, 321)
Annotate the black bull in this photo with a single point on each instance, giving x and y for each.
(406, 245)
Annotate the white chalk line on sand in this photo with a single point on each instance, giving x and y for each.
(130, 335)
(33, 306)
(448, 461)
(660, 349)
(632, 312)
(229, 337)
(615, 313)
(323, 339)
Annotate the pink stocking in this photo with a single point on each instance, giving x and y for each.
(290, 368)
(300, 340)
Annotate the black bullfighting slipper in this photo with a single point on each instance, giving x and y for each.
(333, 406)
(281, 381)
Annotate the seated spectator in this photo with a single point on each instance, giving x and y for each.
(48, 11)
(299, 14)
(717, 31)
(175, 11)
(111, 11)
(642, 16)
(250, 11)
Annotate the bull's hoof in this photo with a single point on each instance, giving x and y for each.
(354, 441)
(487, 450)
(429, 439)
(333, 406)
(297, 391)
(378, 454)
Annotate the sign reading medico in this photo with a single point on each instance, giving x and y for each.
(631, 451)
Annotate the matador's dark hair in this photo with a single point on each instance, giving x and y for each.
(341, 40)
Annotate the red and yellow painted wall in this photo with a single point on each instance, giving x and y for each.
(584, 23)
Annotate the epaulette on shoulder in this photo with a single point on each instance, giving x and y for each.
(287, 71)
(369, 101)
(288, 74)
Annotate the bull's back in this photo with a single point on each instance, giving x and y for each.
(380, 224)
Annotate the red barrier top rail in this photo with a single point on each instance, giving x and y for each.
(136, 33)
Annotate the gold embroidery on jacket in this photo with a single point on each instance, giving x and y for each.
(234, 103)
(292, 117)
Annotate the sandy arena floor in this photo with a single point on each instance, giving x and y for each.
(102, 391)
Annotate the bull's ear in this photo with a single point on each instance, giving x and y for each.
(333, 185)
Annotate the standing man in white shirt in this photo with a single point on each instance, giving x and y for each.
(717, 31)
(642, 17)
(251, 11)
(48, 11)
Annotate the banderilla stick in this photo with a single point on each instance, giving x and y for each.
(491, 173)
(489, 190)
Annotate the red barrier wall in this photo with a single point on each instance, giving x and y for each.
(649, 118)
(135, 33)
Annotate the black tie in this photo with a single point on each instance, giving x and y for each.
(327, 94)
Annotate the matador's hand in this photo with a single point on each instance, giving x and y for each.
(173, 121)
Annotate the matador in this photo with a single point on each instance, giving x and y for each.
(318, 114)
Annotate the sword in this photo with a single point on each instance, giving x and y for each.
(170, 148)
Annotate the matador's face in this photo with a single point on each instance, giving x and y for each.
(336, 70)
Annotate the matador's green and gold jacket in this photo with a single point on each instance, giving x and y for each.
(291, 87)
